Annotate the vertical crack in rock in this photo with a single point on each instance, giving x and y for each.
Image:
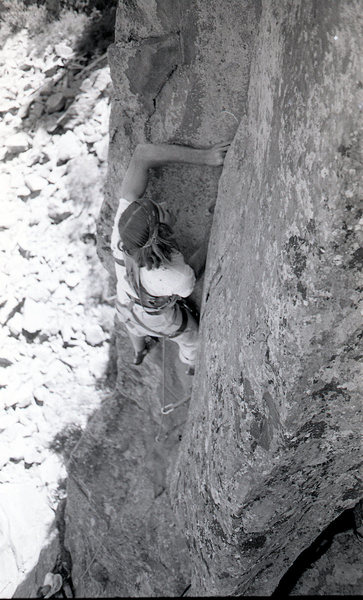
(154, 100)
(63, 565)
(273, 445)
(152, 63)
(318, 558)
(283, 309)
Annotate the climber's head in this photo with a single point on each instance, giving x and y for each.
(143, 237)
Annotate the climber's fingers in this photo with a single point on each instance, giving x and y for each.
(217, 153)
(223, 145)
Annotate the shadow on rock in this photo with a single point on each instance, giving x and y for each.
(119, 519)
(53, 558)
(64, 51)
(299, 578)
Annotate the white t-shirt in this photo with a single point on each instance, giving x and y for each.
(172, 278)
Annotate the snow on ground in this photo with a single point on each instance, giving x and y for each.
(55, 315)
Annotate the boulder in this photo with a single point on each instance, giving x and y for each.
(17, 450)
(72, 279)
(26, 66)
(102, 113)
(17, 180)
(32, 456)
(18, 431)
(42, 395)
(41, 139)
(8, 419)
(86, 85)
(35, 182)
(92, 132)
(103, 79)
(97, 364)
(51, 122)
(24, 395)
(35, 316)
(52, 283)
(51, 470)
(55, 102)
(67, 146)
(101, 148)
(17, 143)
(38, 291)
(36, 110)
(83, 376)
(63, 50)
(94, 334)
(56, 175)
(57, 215)
(7, 105)
(67, 332)
(11, 218)
(15, 324)
(23, 191)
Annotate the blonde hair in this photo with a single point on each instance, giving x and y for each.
(149, 242)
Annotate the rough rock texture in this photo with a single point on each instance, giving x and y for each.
(339, 571)
(269, 454)
(121, 530)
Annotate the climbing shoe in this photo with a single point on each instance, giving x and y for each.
(149, 343)
(139, 356)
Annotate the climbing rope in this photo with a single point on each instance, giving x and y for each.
(166, 409)
(157, 439)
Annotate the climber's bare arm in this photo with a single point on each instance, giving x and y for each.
(147, 156)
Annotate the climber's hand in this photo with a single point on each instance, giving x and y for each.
(217, 154)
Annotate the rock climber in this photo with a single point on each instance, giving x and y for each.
(152, 276)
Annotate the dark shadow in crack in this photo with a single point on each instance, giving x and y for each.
(345, 522)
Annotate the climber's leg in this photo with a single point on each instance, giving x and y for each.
(137, 338)
(188, 342)
(137, 341)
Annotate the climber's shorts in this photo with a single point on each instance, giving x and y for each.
(167, 324)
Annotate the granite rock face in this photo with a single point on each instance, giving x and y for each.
(226, 495)
(271, 453)
(121, 530)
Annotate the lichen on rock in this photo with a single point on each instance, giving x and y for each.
(224, 496)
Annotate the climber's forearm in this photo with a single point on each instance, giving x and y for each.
(135, 180)
(156, 155)
(147, 156)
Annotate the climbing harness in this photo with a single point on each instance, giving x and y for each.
(155, 305)
(180, 329)
(151, 304)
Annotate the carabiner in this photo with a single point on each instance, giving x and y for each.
(167, 409)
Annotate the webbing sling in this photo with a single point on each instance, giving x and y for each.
(167, 301)
(149, 302)
(180, 330)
